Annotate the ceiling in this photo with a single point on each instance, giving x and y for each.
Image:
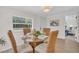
(54, 10)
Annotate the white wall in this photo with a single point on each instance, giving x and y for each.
(43, 22)
(61, 26)
(78, 27)
(6, 24)
(71, 20)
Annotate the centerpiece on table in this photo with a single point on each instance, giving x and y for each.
(36, 33)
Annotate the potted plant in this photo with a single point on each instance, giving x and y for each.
(2, 41)
(36, 33)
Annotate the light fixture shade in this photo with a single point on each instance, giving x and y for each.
(46, 8)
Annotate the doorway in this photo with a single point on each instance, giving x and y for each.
(71, 27)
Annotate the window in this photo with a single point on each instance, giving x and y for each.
(21, 22)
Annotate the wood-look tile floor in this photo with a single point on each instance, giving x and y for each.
(64, 46)
(67, 46)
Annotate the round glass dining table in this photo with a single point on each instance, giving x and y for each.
(34, 41)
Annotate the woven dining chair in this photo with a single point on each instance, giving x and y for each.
(50, 46)
(18, 49)
(26, 30)
(46, 31)
(12, 40)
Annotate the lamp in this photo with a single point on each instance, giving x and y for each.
(46, 8)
